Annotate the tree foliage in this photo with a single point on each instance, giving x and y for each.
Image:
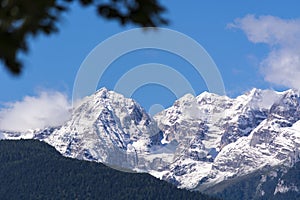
(20, 19)
(251, 185)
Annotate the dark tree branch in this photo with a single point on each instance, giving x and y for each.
(21, 18)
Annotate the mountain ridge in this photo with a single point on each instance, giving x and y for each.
(196, 143)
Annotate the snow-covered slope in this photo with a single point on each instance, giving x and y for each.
(275, 141)
(195, 144)
(226, 138)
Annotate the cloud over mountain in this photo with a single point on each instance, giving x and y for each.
(45, 109)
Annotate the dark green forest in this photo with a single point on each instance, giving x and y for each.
(245, 187)
(31, 169)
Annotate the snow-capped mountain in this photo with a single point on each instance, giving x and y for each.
(105, 127)
(197, 143)
(108, 128)
(217, 122)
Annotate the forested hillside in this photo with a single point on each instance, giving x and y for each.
(274, 183)
(34, 170)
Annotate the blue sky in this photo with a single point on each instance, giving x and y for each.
(244, 38)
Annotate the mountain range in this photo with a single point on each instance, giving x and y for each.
(208, 143)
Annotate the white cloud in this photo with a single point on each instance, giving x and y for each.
(282, 65)
(46, 109)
